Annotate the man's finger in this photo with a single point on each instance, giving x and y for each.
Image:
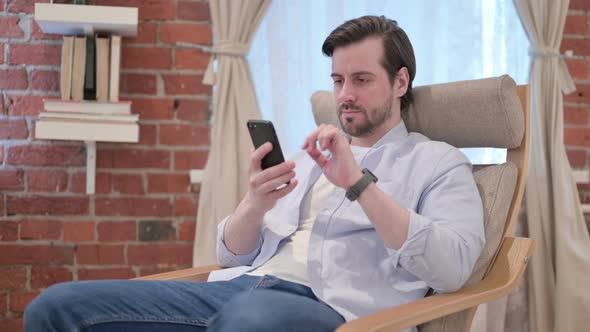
(258, 154)
(317, 156)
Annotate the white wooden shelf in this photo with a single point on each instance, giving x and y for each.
(68, 19)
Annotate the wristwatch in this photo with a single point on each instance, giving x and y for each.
(355, 191)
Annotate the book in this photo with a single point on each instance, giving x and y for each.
(115, 67)
(86, 131)
(102, 69)
(67, 60)
(79, 68)
(88, 107)
(133, 118)
(90, 72)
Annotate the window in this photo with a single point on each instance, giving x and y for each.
(453, 41)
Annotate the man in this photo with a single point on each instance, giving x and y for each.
(364, 224)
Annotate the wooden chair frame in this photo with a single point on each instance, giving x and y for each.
(503, 274)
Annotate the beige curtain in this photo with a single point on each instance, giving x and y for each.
(559, 299)
(225, 179)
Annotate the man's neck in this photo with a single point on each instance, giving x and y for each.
(375, 136)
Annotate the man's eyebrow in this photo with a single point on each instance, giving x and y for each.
(356, 73)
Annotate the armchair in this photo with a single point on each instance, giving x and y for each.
(490, 112)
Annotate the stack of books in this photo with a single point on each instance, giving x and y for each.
(89, 108)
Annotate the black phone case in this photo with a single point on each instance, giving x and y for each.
(263, 131)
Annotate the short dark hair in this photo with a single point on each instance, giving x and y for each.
(398, 51)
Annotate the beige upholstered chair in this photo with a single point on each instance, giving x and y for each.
(491, 112)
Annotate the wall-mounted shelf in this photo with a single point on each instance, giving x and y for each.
(67, 19)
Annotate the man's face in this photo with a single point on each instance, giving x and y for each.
(364, 94)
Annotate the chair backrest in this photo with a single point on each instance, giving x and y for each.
(491, 112)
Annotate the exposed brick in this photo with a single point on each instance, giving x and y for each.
(138, 83)
(22, 6)
(146, 207)
(46, 155)
(20, 300)
(23, 105)
(100, 254)
(579, 4)
(152, 109)
(52, 205)
(578, 68)
(577, 136)
(168, 183)
(156, 230)
(11, 324)
(43, 277)
(47, 180)
(102, 183)
(192, 110)
(78, 231)
(578, 158)
(37, 33)
(186, 230)
(147, 33)
(576, 115)
(1, 53)
(35, 254)
(113, 231)
(3, 296)
(191, 59)
(13, 129)
(40, 229)
(12, 179)
(193, 11)
(12, 277)
(172, 33)
(128, 184)
(13, 79)
(579, 46)
(576, 24)
(148, 134)
(133, 159)
(8, 231)
(35, 54)
(175, 84)
(102, 274)
(146, 58)
(191, 159)
(161, 253)
(148, 9)
(190, 135)
(9, 27)
(47, 80)
(185, 206)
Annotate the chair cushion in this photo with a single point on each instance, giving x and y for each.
(496, 186)
(474, 113)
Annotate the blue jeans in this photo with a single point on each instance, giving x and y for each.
(246, 303)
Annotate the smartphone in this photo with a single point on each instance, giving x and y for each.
(263, 131)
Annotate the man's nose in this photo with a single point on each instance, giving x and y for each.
(347, 93)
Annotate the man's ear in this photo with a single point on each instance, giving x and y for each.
(400, 85)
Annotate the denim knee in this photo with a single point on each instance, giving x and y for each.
(48, 310)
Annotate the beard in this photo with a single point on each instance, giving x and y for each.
(370, 121)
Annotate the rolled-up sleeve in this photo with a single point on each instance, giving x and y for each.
(225, 257)
(446, 234)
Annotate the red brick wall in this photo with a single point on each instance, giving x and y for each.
(142, 218)
(577, 105)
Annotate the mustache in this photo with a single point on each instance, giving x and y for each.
(348, 107)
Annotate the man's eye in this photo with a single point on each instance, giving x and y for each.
(337, 82)
(362, 80)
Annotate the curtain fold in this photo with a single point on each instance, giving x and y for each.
(225, 177)
(560, 265)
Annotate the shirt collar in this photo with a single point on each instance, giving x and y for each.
(395, 135)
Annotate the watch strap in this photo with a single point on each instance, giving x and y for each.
(355, 191)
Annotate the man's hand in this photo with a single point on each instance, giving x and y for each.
(341, 169)
(263, 193)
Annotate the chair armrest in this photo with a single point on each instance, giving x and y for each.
(199, 274)
(505, 274)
